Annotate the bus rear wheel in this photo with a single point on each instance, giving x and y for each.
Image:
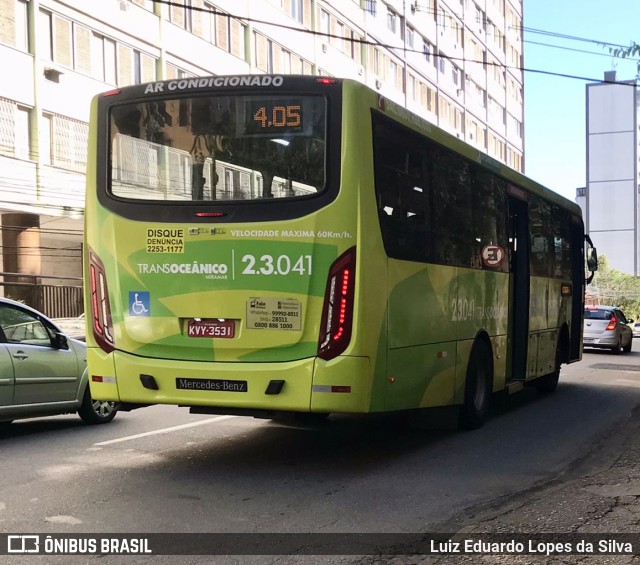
(478, 387)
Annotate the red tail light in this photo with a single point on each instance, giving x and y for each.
(100, 309)
(337, 312)
(612, 323)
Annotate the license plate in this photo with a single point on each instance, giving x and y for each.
(211, 328)
(215, 385)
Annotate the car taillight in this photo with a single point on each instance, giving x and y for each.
(100, 309)
(337, 312)
(612, 324)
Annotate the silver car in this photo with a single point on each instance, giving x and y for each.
(606, 327)
(43, 372)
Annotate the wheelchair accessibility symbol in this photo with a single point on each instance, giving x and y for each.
(139, 303)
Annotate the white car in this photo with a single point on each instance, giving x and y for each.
(606, 327)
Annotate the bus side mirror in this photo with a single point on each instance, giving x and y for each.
(592, 259)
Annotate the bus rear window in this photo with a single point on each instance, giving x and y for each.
(219, 148)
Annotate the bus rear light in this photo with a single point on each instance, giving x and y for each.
(337, 311)
(100, 309)
(612, 324)
(209, 214)
(325, 80)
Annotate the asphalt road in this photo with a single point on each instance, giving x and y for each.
(162, 470)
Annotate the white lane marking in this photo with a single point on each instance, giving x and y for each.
(166, 430)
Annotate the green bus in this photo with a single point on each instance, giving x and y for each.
(280, 246)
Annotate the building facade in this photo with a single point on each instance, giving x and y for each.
(612, 216)
(457, 63)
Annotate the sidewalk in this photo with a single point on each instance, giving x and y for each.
(599, 494)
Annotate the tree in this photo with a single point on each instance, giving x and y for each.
(614, 288)
(624, 52)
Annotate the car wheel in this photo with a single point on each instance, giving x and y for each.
(627, 348)
(96, 411)
(478, 387)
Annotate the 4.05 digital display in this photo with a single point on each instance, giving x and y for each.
(266, 117)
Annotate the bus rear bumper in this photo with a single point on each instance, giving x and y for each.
(305, 385)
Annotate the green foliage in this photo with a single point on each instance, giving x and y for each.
(615, 288)
(624, 52)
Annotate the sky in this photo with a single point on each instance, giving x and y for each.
(555, 114)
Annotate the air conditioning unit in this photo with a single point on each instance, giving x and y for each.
(325, 47)
(123, 6)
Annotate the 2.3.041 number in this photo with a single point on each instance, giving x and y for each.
(281, 265)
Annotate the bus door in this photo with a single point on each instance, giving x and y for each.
(577, 283)
(519, 284)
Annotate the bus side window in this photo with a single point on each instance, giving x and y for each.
(541, 239)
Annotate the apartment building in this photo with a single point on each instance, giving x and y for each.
(457, 63)
(610, 199)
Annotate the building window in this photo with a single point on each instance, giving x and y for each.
(480, 18)
(496, 110)
(325, 23)
(339, 40)
(21, 25)
(356, 49)
(456, 75)
(411, 87)
(14, 129)
(515, 125)
(370, 7)
(496, 147)
(392, 20)
(223, 31)
(426, 49)
(110, 61)
(68, 139)
(515, 161)
(428, 97)
(262, 53)
(182, 15)
(173, 72)
(410, 36)
(55, 39)
(14, 24)
(296, 10)
(393, 71)
(134, 67)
